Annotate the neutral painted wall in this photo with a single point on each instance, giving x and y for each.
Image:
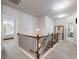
(49, 25)
(46, 25)
(42, 26)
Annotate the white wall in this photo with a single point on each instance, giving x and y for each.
(46, 25)
(49, 25)
(42, 26)
(65, 22)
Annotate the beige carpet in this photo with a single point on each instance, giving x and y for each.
(11, 51)
(63, 50)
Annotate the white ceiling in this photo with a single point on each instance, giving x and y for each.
(56, 9)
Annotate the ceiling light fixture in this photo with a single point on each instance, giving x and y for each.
(60, 6)
(61, 16)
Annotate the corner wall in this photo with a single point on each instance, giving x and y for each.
(46, 25)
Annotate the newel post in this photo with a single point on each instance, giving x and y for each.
(38, 55)
(57, 36)
(18, 34)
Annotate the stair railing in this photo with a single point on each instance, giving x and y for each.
(49, 44)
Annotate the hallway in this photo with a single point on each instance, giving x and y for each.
(39, 29)
(65, 49)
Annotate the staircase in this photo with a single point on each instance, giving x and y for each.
(38, 44)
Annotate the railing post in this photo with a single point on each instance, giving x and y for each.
(38, 55)
(17, 33)
(52, 39)
(57, 36)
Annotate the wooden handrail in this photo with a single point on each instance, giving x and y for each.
(44, 36)
(27, 35)
(32, 36)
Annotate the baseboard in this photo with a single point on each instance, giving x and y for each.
(32, 57)
(45, 54)
(29, 55)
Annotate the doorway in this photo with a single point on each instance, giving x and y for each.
(60, 30)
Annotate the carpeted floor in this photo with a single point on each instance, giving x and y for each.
(11, 51)
(63, 50)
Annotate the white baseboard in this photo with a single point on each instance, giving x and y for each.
(43, 57)
(32, 57)
(29, 55)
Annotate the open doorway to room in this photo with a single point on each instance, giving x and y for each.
(60, 31)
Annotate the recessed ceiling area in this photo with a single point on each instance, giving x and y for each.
(55, 9)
